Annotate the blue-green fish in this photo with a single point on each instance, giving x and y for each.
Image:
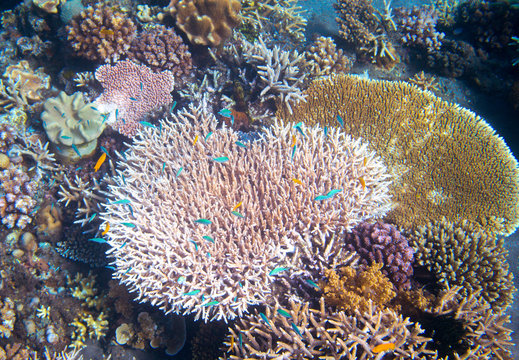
(126, 272)
(123, 201)
(339, 119)
(173, 107)
(208, 135)
(203, 221)
(163, 167)
(191, 293)
(109, 267)
(145, 123)
(264, 317)
(313, 284)
(98, 240)
(235, 213)
(293, 152)
(221, 159)
(133, 99)
(179, 171)
(103, 149)
(181, 279)
(65, 137)
(277, 270)
(76, 150)
(208, 238)
(284, 313)
(194, 243)
(92, 217)
(325, 131)
(211, 303)
(296, 329)
(240, 144)
(128, 224)
(225, 112)
(123, 245)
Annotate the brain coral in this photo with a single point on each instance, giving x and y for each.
(445, 160)
(210, 217)
(72, 125)
(206, 22)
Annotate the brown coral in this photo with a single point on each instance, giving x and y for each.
(101, 33)
(160, 48)
(324, 58)
(445, 160)
(461, 254)
(206, 22)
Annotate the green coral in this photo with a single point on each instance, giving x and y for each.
(72, 125)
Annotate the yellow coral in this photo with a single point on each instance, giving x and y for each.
(445, 160)
(206, 22)
(352, 290)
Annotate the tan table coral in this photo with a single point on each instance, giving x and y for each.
(72, 125)
(445, 160)
(206, 22)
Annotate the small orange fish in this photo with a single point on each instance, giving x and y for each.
(100, 162)
(365, 161)
(107, 32)
(293, 141)
(297, 181)
(236, 206)
(231, 345)
(383, 347)
(194, 141)
(362, 182)
(106, 229)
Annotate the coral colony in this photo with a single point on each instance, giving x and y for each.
(213, 179)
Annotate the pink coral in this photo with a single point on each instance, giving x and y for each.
(130, 91)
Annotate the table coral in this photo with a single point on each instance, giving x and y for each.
(223, 253)
(101, 33)
(445, 160)
(462, 254)
(206, 22)
(72, 125)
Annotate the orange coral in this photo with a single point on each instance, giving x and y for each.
(352, 290)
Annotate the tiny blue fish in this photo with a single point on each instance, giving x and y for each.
(56, 108)
(103, 149)
(235, 213)
(128, 224)
(284, 313)
(65, 137)
(313, 284)
(333, 192)
(277, 270)
(57, 147)
(98, 240)
(145, 123)
(179, 171)
(194, 243)
(181, 279)
(123, 245)
(240, 340)
(191, 293)
(124, 180)
(116, 113)
(92, 217)
(232, 119)
(110, 267)
(211, 303)
(123, 201)
(133, 99)
(126, 272)
(173, 106)
(221, 159)
(88, 122)
(240, 144)
(225, 112)
(293, 152)
(203, 221)
(52, 183)
(93, 108)
(76, 150)
(339, 119)
(131, 209)
(141, 86)
(299, 124)
(104, 118)
(163, 167)
(264, 317)
(321, 197)
(296, 329)
(325, 131)
(208, 238)
(208, 135)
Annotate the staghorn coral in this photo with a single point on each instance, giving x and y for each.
(418, 26)
(324, 58)
(382, 243)
(424, 82)
(445, 160)
(161, 48)
(101, 33)
(359, 25)
(462, 254)
(280, 71)
(485, 334)
(299, 332)
(206, 22)
(72, 125)
(211, 254)
(131, 91)
(352, 289)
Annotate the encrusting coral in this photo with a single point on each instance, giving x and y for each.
(101, 33)
(382, 243)
(206, 22)
(72, 125)
(445, 160)
(217, 252)
(462, 254)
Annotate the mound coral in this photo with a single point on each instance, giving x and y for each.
(72, 125)
(383, 244)
(131, 91)
(161, 48)
(200, 221)
(299, 332)
(445, 160)
(101, 33)
(206, 22)
(462, 254)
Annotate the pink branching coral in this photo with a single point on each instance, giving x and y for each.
(201, 222)
(383, 244)
(161, 48)
(130, 91)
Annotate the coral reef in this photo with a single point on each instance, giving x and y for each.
(424, 82)
(299, 332)
(72, 125)
(462, 254)
(206, 22)
(323, 58)
(383, 244)
(454, 59)
(445, 160)
(160, 48)
(101, 33)
(253, 201)
(131, 91)
(418, 26)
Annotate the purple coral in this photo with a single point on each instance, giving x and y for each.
(382, 243)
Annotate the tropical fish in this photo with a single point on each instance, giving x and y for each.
(194, 292)
(106, 229)
(203, 221)
(297, 181)
(313, 284)
(277, 270)
(194, 141)
(92, 217)
(132, 98)
(237, 214)
(194, 243)
(211, 303)
(76, 150)
(179, 171)
(128, 224)
(130, 208)
(339, 119)
(123, 245)
(65, 137)
(296, 329)
(325, 131)
(148, 124)
(293, 152)
(362, 182)
(364, 161)
(236, 206)
(264, 317)
(284, 313)
(100, 162)
(109, 267)
(225, 112)
(298, 128)
(221, 159)
(98, 240)
(141, 85)
(122, 201)
(208, 238)
(240, 144)
(173, 106)
(330, 194)
(293, 141)
(383, 347)
(103, 149)
(208, 135)
(163, 167)
(181, 279)
(231, 343)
